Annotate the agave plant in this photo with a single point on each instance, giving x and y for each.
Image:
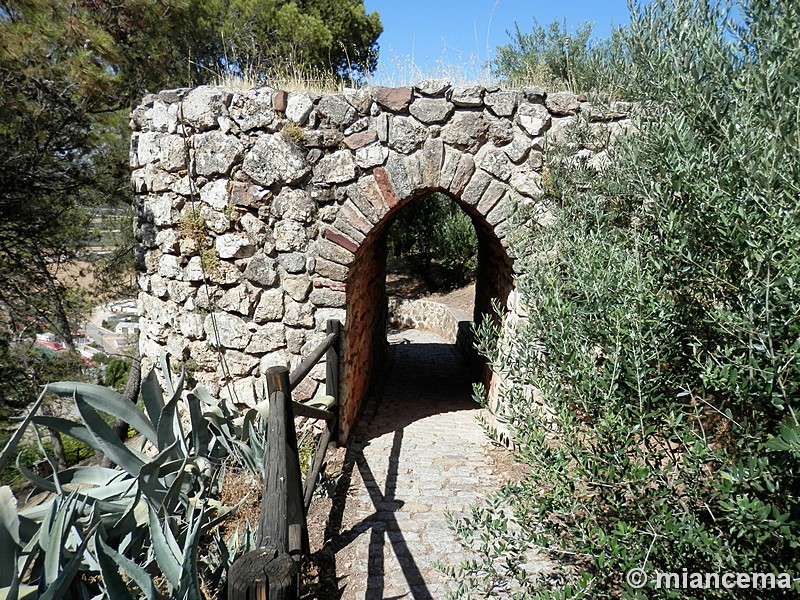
(133, 531)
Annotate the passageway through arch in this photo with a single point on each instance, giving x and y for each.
(366, 322)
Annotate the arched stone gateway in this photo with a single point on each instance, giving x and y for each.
(264, 213)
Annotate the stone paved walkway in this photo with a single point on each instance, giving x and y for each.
(416, 453)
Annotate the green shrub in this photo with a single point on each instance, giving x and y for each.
(663, 330)
(438, 238)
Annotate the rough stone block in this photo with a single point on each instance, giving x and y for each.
(357, 195)
(215, 153)
(386, 186)
(433, 87)
(252, 109)
(359, 140)
(474, 190)
(343, 223)
(274, 160)
(497, 163)
(330, 270)
(261, 270)
(406, 134)
(431, 110)
(234, 245)
(491, 197)
(533, 118)
(290, 236)
(298, 107)
(333, 252)
(296, 286)
(393, 99)
(562, 103)
(338, 167)
(338, 238)
(466, 131)
(295, 205)
(371, 156)
(322, 138)
(463, 175)
(396, 169)
(358, 98)
(328, 298)
(336, 111)
(226, 330)
(467, 95)
(270, 306)
(431, 162)
(204, 105)
(502, 104)
(299, 315)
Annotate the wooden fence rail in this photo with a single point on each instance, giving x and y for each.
(271, 572)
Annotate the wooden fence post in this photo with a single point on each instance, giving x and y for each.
(271, 572)
(286, 510)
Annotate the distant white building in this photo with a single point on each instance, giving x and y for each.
(126, 327)
(123, 306)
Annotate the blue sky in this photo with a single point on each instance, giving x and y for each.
(435, 37)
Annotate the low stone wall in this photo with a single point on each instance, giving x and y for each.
(452, 326)
(424, 314)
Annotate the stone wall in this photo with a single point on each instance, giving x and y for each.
(424, 314)
(262, 213)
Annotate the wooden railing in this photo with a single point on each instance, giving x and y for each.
(271, 572)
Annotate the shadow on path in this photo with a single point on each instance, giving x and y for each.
(400, 460)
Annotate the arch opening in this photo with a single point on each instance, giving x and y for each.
(365, 331)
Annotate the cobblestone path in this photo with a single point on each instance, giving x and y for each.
(416, 454)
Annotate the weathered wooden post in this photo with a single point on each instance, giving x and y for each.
(332, 327)
(271, 572)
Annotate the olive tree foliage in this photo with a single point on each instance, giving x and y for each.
(653, 385)
(557, 57)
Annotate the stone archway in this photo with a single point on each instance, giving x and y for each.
(261, 212)
(375, 203)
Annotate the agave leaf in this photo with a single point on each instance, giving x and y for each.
(125, 525)
(11, 446)
(9, 537)
(50, 460)
(167, 372)
(174, 493)
(106, 483)
(190, 577)
(108, 441)
(112, 581)
(55, 539)
(167, 561)
(70, 428)
(58, 588)
(137, 574)
(152, 397)
(201, 437)
(223, 512)
(168, 422)
(40, 512)
(151, 475)
(204, 395)
(109, 401)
